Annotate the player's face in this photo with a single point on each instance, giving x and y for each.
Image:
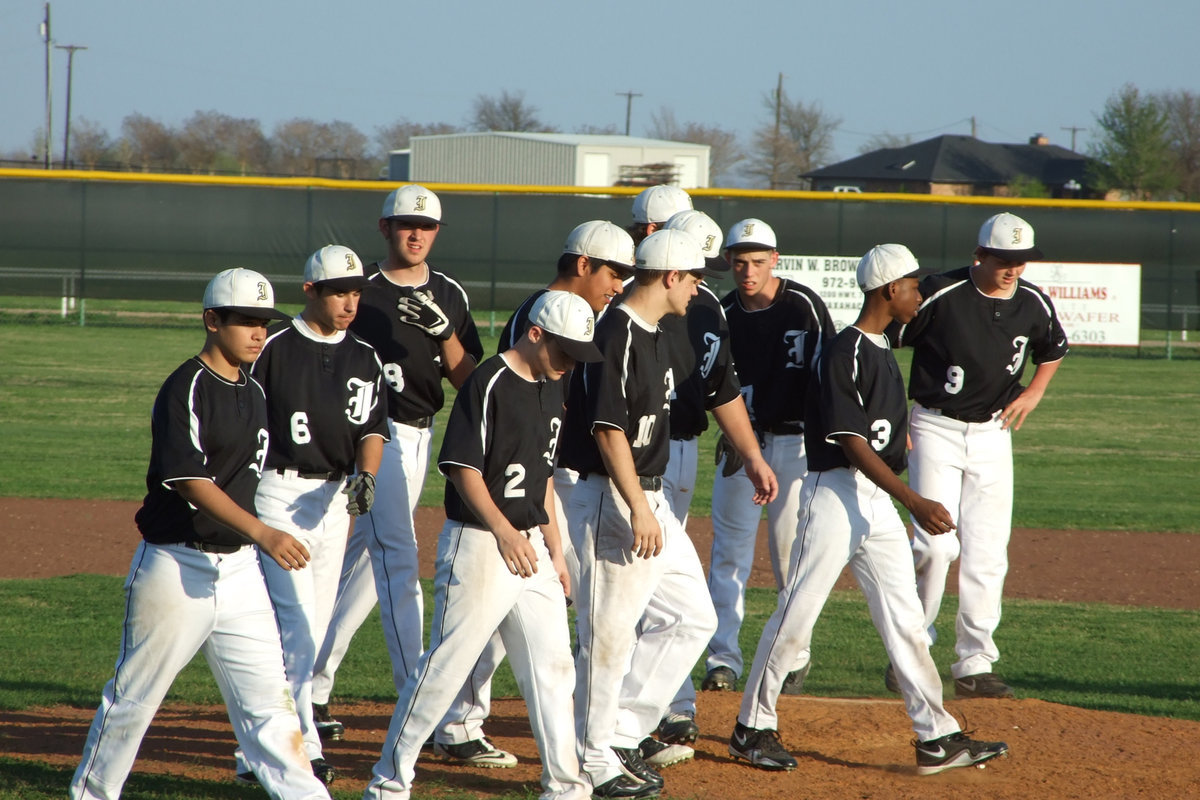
(994, 274)
(331, 311)
(906, 299)
(681, 292)
(239, 338)
(600, 286)
(550, 362)
(409, 242)
(752, 270)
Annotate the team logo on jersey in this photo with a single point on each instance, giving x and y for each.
(713, 342)
(555, 426)
(262, 291)
(363, 400)
(1018, 359)
(260, 455)
(420, 204)
(795, 342)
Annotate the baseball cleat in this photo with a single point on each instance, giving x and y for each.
(794, 682)
(890, 681)
(246, 778)
(955, 750)
(475, 753)
(658, 754)
(328, 728)
(678, 727)
(632, 765)
(324, 771)
(761, 747)
(625, 787)
(719, 679)
(985, 684)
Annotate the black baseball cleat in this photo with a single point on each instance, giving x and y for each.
(324, 771)
(625, 787)
(475, 753)
(658, 755)
(633, 766)
(794, 682)
(985, 684)
(890, 681)
(761, 747)
(719, 679)
(955, 750)
(677, 727)
(328, 728)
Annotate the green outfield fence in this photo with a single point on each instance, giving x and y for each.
(82, 235)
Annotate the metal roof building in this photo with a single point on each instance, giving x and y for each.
(555, 159)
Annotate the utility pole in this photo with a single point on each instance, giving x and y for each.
(1073, 129)
(628, 106)
(775, 140)
(70, 48)
(973, 136)
(46, 133)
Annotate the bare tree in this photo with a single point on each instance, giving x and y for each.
(91, 145)
(599, 130)
(397, 135)
(147, 143)
(508, 112)
(724, 151)
(797, 138)
(1183, 135)
(304, 146)
(885, 141)
(210, 141)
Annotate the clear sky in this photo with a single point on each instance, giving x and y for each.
(921, 67)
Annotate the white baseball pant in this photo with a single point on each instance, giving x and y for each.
(476, 596)
(180, 601)
(735, 521)
(968, 468)
(849, 520)
(625, 681)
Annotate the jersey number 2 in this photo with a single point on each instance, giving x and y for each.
(515, 473)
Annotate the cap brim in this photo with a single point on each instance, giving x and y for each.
(582, 352)
(1016, 256)
(254, 312)
(751, 246)
(416, 218)
(346, 284)
(715, 267)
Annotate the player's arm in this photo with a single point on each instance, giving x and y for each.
(457, 363)
(931, 515)
(553, 538)
(209, 498)
(735, 424)
(1015, 412)
(369, 453)
(513, 545)
(618, 461)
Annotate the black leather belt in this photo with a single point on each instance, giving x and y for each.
(959, 417)
(336, 475)
(647, 482)
(209, 547)
(784, 428)
(419, 422)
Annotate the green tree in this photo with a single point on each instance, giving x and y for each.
(1133, 146)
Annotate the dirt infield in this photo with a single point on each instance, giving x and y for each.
(846, 748)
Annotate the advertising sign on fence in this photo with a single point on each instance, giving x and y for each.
(1098, 304)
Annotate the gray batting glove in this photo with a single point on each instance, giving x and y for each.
(361, 493)
(422, 311)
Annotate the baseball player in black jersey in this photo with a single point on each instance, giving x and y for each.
(855, 430)
(327, 416)
(195, 582)
(633, 553)
(419, 322)
(777, 328)
(500, 560)
(976, 328)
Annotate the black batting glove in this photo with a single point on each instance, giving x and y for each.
(733, 461)
(361, 493)
(421, 310)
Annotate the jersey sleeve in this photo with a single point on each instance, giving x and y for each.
(176, 424)
(1052, 346)
(720, 378)
(604, 382)
(841, 402)
(464, 443)
(376, 424)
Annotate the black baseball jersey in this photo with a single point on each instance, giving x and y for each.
(505, 428)
(324, 395)
(203, 427)
(701, 361)
(412, 360)
(518, 323)
(969, 350)
(627, 390)
(774, 349)
(856, 389)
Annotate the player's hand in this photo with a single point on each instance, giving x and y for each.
(559, 561)
(288, 551)
(1015, 412)
(517, 552)
(647, 534)
(766, 485)
(360, 492)
(733, 461)
(421, 310)
(932, 516)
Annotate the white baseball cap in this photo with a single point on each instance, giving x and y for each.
(670, 249)
(569, 320)
(706, 232)
(1009, 237)
(603, 241)
(885, 263)
(412, 202)
(751, 234)
(242, 290)
(337, 267)
(658, 203)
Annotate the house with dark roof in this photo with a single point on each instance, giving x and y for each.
(959, 165)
